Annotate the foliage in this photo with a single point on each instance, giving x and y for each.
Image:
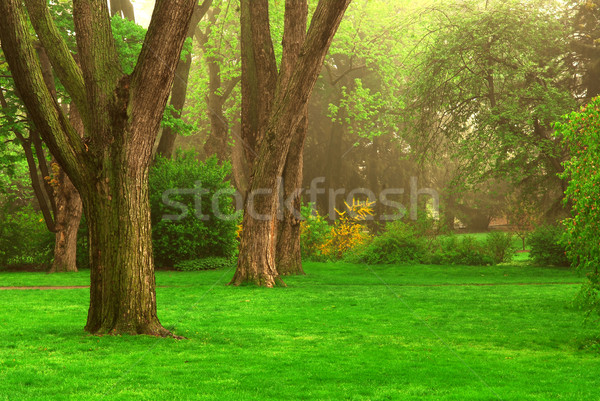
(190, 187)
(523, 216)
(461, 250)
(129, 38)
(547, 246)
(399, 243)
(348, 231)
(24, 239)
(209, 263)
(500, 246)
(588, 297)
(581, 133)
(489, 78)
(314, 233)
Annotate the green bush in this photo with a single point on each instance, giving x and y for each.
(24, 238)
(399, 243)
(315, 231)
(460, 250)
(547, 248)
(209, 263)
(188, 187)
(500, 246)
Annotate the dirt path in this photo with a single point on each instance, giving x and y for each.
(71, 287)
(61, 287)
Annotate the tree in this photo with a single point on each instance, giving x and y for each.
(523, 216)
(580, 131)
(109, 166)
(273, 106)
(490, 80)
(56, 196)
(166, 144)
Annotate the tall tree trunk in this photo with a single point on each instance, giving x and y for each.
(259, 73)
(166, 144)
(256, 262)
(122, 292)
(68, 213)
(289, 255)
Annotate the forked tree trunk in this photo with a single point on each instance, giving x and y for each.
(121, 115)
(256, 262)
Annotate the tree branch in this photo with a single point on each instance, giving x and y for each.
(43, 109)
(63, 62)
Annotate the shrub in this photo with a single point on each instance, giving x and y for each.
(399, 243)
(24, 238)
(581, 133)
(547, 248)
(500, 246)
(314, 233)
(461, 250)
(198, 233)
(348, 231)
(209, 263)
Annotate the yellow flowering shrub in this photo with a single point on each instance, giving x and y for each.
(349, 230)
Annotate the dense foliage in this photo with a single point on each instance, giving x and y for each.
(547, 247)
(581, 133)
(193, 193)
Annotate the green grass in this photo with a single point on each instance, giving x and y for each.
(343, 332)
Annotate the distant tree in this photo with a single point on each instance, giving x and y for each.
(523, 216)
(488, 80)
(166, 144)
(109, 165)
(56, 196)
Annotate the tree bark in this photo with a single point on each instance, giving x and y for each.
(109, 167)
(256, 262)
(289, 253)
(67, 219)
(259, 73)
(68, 213)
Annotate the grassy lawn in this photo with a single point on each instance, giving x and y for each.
(343, 332)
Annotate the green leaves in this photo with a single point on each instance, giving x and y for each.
(129, 38)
